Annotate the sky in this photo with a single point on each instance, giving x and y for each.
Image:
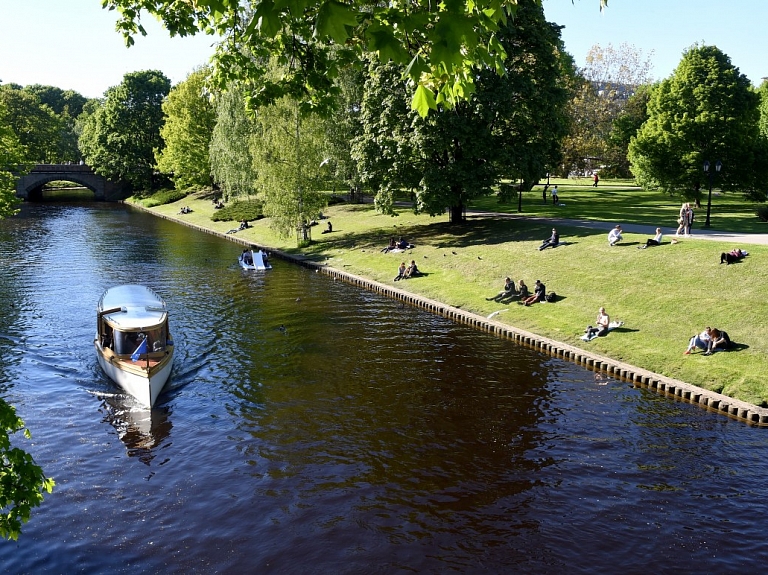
(664, 29)
(72, 44)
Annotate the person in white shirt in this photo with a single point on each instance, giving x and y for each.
(656, 241)
(614, 236)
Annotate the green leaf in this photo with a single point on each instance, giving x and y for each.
(267, 19)
(381, 39)
(450, 34)
(416, 68)
(333, 18)
(423, 101)
(295, 7)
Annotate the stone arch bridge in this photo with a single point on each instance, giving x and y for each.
(30, 186)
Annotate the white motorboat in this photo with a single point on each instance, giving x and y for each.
(254, 260)
(133, 342)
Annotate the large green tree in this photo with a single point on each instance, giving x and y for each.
(624, 128)
(440, 44)
(763, 92)
(510, 128)
(67, 105)
(189, 120)
(59, 100)
(120, 138)
(36, 125)
(706, 111)
(12, 163)
(343, 126)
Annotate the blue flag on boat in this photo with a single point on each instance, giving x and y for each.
(139, 350)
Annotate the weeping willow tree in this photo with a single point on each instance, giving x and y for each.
(230, 150)
(288, 149)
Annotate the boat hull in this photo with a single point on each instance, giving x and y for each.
(145, 384)
(133, 340)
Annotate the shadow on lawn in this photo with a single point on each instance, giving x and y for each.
(477, 231)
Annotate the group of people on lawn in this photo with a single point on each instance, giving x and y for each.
(614, 237)
(520, 292)
(710, 340)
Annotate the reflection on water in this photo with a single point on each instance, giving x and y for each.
(309, 426)
(140, 428)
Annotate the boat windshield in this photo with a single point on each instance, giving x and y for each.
(127, 342)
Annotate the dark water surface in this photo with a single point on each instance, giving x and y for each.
(311, 427)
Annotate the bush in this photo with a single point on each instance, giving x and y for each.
(162, 197)
(239, 211)
(762, 213)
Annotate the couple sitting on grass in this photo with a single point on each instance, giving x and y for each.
(510, 291)
(710, 340)
(404, 273)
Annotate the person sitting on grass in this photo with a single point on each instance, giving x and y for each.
(522, 290)
(401, 272)
(701, 341)
(719, 341)
(552, 241)
(412, 271)
(403, 244)
(656, 241)
(614, 236)
(602, 323)
(392, 245)
(508, 291)
(539, 291)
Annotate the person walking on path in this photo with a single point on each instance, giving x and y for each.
(681, 219)
(688, 220)
(596, 179)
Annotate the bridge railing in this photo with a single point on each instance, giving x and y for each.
(69, 168)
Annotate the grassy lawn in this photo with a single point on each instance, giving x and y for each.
(619, 201)
(664, 294)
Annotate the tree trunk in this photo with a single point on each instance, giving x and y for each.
(456, 214)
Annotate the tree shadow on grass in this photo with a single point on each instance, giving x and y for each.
(480, 231)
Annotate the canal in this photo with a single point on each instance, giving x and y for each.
(313, 427)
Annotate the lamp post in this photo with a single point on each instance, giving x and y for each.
(718, 165)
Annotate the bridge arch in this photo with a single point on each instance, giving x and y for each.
(30, 186)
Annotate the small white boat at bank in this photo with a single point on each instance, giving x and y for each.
(254, 260)
(133, 342)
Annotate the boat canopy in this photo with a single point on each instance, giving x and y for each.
(132, 307)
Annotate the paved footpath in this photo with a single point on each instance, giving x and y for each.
(650, 231)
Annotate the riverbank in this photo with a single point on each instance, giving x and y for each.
(354, 255)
